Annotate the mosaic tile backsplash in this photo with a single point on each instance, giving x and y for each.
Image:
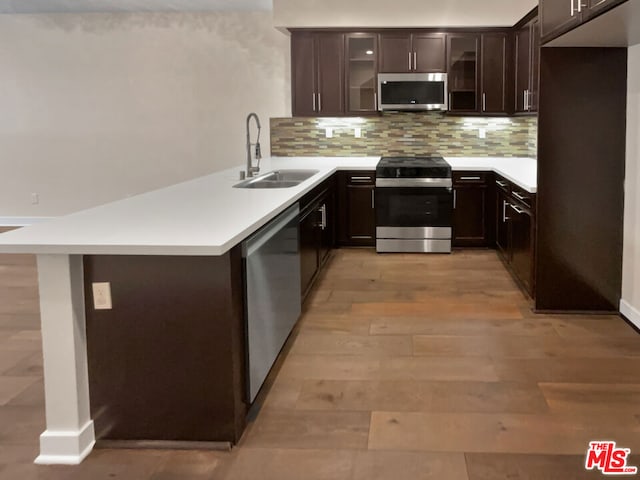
(405, 133)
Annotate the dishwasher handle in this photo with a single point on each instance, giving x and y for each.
(262, 236)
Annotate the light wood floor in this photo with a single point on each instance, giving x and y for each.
(402, 367)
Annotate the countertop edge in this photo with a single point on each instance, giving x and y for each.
(41, 248)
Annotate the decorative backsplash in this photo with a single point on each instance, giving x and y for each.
(405, 133)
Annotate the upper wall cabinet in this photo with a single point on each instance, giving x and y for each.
(361, 72)
(463, 72)
(495, 49)
(317, 64)
(527, 61)
(560, 16)
(412, 52)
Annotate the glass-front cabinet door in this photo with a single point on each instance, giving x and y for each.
(463, 72)
(362, 72)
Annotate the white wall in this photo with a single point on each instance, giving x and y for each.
(94, 107)
(630, 304)
(399, 13)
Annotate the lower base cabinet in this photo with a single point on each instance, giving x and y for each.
(472, 212)
(515, 231)
(317, 232)
(356, 210)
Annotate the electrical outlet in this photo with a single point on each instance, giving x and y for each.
(357, 132)
(328, 132)
(482, 133)
(102, 295)
(35, 199)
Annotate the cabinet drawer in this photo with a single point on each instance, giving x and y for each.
(361, 178)
(503, 184)
(522, 196)
(461, 178)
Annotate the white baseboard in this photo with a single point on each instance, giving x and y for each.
(21, 221)
(630, 312)
(66, 447)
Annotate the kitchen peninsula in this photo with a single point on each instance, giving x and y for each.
(173, 260)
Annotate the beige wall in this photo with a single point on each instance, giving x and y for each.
(95, 107)
(630, 304)
(399, 13)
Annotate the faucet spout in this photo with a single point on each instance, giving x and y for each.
(251, 170)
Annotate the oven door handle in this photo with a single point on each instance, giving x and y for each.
(414, 182)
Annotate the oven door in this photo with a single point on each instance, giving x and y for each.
(421, 212)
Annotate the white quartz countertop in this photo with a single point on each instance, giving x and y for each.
(206, 215)
(521, 171)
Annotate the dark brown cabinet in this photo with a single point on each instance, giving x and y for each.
(598, 6)
(502, 227)
(317, 232)
(527, 61)
(522, 244)
(580, 205)
(356, 211)
(493, 72)
(308, 248)
(515, 231)
(177, 324)
(317, 61)
(560, 16)
(471, 211)
(412, 52)
(463, 72)
(361, 72)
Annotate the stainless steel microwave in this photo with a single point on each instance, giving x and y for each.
(412, 91)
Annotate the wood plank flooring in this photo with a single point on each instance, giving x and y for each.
(402, 366)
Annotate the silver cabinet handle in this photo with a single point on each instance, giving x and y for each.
(455, 198)
(375, 101)
(469, 178)
(502, 184)
(319, 102)
(314, 101)
(410, 61)
(415, 61)
(484, 102)
(323, 213)
(373, 199)
(520, 197)
(573, 8)
(450, 103)
(518, 210)
(524, 100)
(504, 211)
(356, 179)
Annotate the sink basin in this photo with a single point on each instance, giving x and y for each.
(277, 179)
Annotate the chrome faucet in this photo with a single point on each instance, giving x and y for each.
(251, 170)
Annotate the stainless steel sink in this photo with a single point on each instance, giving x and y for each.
(278, 179)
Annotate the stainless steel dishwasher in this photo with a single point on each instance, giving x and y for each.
(272, 292)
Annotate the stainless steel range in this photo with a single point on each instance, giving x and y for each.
(414, 204)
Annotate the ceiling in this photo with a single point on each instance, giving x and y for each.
(79, 6)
